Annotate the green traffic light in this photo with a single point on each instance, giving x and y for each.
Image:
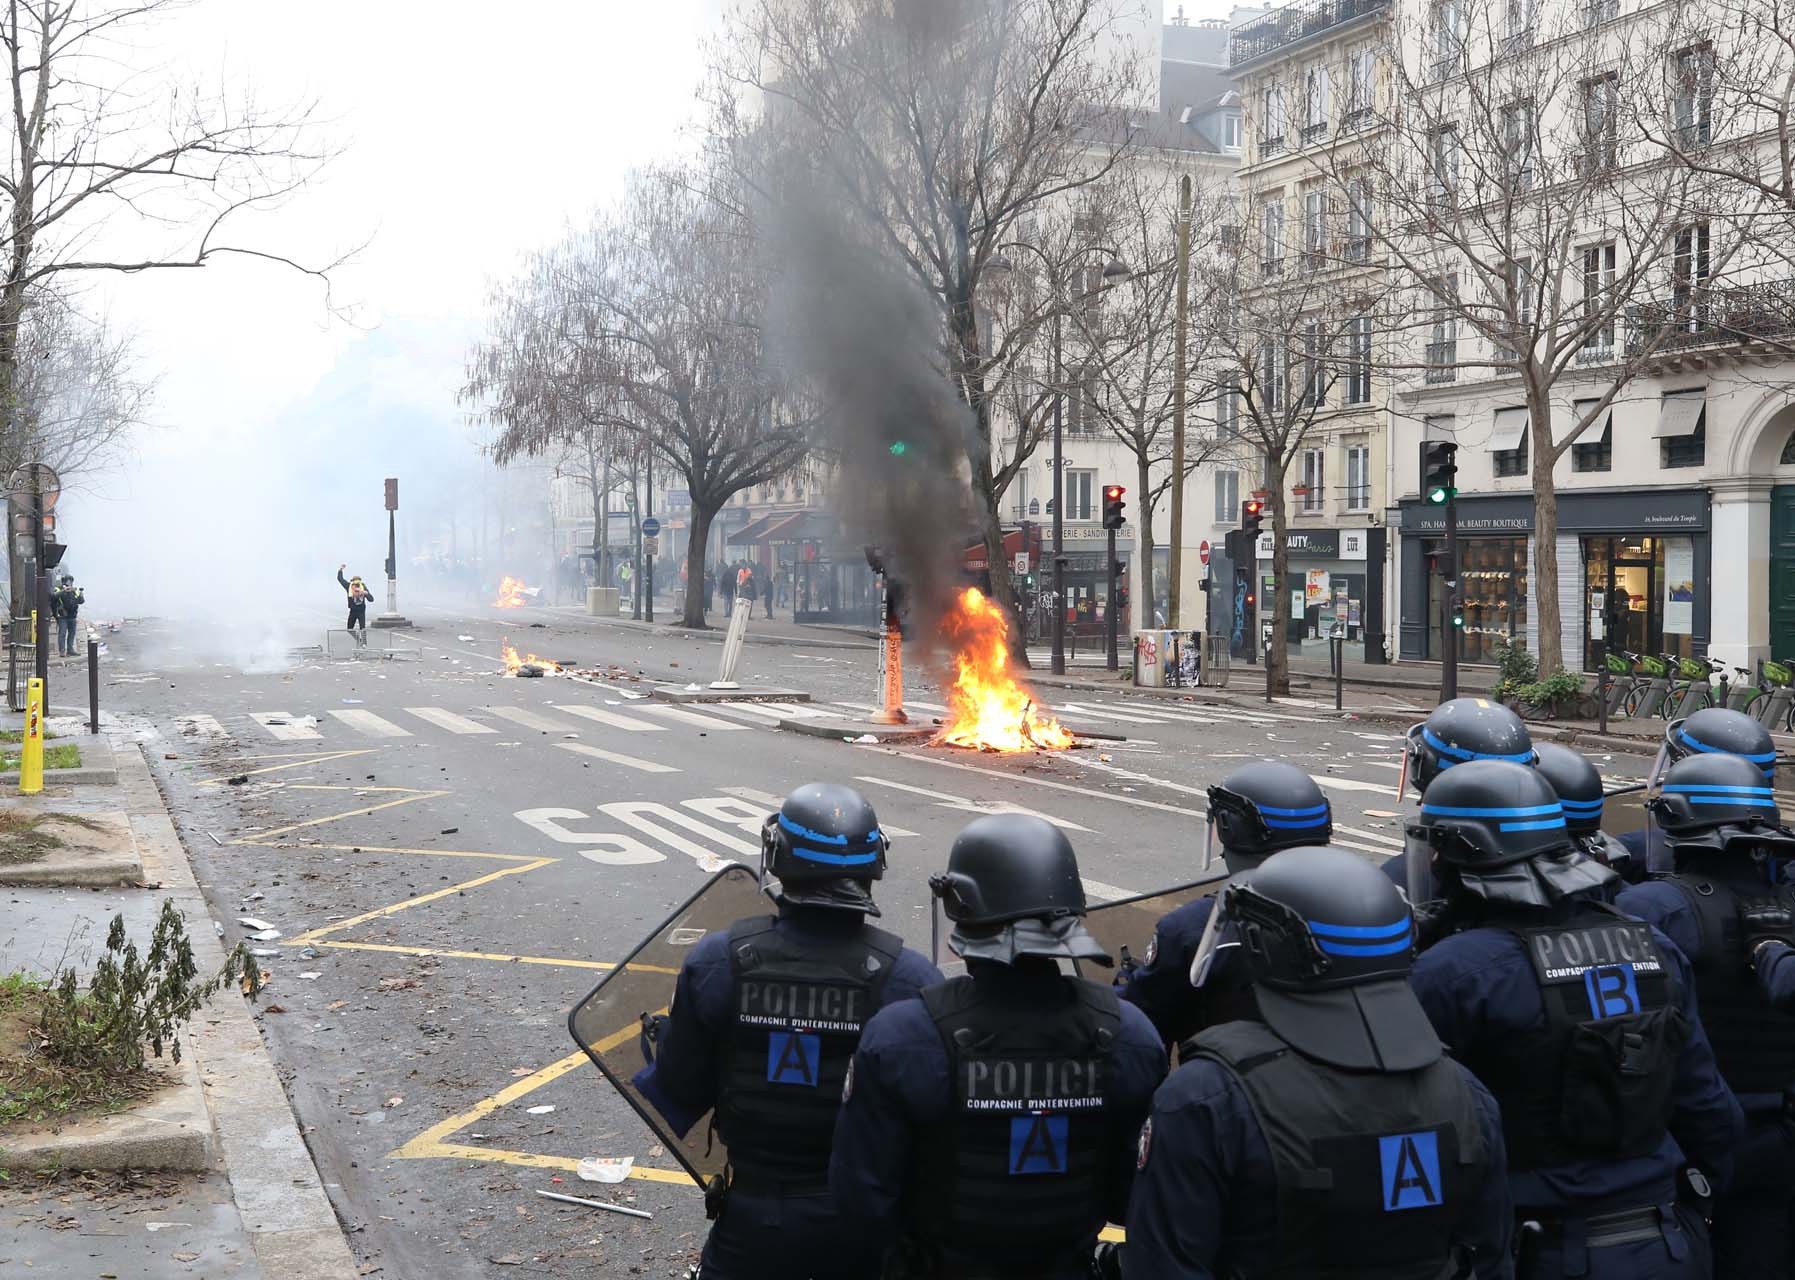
(899, 448)
(1440, 493)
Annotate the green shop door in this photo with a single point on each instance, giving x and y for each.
(1782, 572)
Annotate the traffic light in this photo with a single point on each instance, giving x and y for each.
(1112, 506)
(1458, 613)
(1439, 471)
(899, 448)
(1252, 515)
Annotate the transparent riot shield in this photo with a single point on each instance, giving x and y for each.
(1125, 928)
(1623, 809)
(607, 1024)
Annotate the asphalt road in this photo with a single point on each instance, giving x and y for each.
(463, 852)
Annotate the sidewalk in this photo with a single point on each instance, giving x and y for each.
(235, 1192)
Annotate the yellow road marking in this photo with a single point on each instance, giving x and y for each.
(296, 762)
(389, 848)
(366, 916)
(336, 817)
(488, 955)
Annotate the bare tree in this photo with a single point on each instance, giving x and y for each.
(112, 171)
(1535, 227)
(942, 126)
(78, 398)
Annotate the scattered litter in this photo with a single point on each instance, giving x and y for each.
(218, 928)
(334, 1005)
(250, 922)
(264, 935)
(1103, 757)
(351, 700)
(594, 1204)
(449, 831)
(309, 953)
(604, 1168)
(169, 755)
(464, 639)
(693, 688)
(1130, 790)
(274, 1008)
(394, 1101)
(522, 1071)
(398, 984)
(255, 897)
(863, 738)
(265, 953)
(1381, 813)
(542, 1110)
(215, 839)
(237, 781)
(153, 1227)
(310, 977)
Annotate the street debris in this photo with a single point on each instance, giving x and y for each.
(310, 977)
(265, 953)
(862, 739)
(594, 1204)
(604, 1168)
(237, 781)
(543, 1110)
(398, 984)
(250, 922)
(264, 935)
(449, 831)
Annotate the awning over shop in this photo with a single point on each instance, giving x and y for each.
(1509, 430)
(1680, 414)
(1598, 430)
(750, 534)
(976, 562)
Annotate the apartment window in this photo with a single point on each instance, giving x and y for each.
(1685, 451)
(1518, 146)
(1518, 310)
(1227, 410)
(1271, 235)
(1682, 429)
(1079, 487)
(1273, 364)
(1445, 148)
(1448, 37)
(1692, 100)
(1594, 449)
(1315, 374)
(1315, 95)
(1596, 11)
(1313, 489)
(1601, 122)
(1227, 497)
(1508, 442)
(1358, 360)
(1598, 290)
(1517, 25)
(1315, 227)
(1689, 277)
(1082, 416)
(1271, 119)
(1442, 342)
(1358, 219)
(1361, 84)
(1231, 131)
(1358, 477)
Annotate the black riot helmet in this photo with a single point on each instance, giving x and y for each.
(1495, 829)
(1012, 888)
(1717, 731)
(825, 847)
(1463, 730)
(1261, 808)
(1578, 784)
(1327, 941)
(1702, 792)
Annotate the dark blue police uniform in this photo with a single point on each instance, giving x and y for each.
(1161, 988)
(1205, 1202)
(902, 1089)
(1775, 969)
(773, 1225)
(1605, 1217)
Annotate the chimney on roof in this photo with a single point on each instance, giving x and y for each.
(1179, 20)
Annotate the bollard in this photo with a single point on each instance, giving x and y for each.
(93, 683)
(1601, 686)
(31, 746)
(732, 646)
(1337, 643)
(891, 678)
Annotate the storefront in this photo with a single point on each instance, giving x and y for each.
(1328, 584)
(1633, 573)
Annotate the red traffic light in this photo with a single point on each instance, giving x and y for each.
(1252, 507)
(1113, 492)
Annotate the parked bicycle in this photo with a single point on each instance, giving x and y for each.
(1649, 688)
(1773, 704)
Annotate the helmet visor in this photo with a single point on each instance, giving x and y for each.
(1212, 853)
(1423, 886)
(1660, 766)
(1212, 941)
(1410, 765)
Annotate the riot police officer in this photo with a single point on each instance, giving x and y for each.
(1710, 731)
(1257, 810)
(1728, 904)
(1330, 1135)
(1578, 785)
(989, 1126)
(1582, 1023)
(763, 1026)
(1462, 730)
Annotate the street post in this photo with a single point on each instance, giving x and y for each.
(1112, 661)
(31, 741)
(1180, 336)
(1448, 624)
(392, 618)
(648, 542)
(93, 684)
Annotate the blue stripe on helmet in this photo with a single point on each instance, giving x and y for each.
(1477, 811)
(1281, 824)
(1459, 754)
(1706, 786)
(1582, 808)
(809, 854)
(807, 834)
(1364, 949)
(1695, 744)
(1322, 929)
(1542, 824)
(1321, 808)
(1740, 800)
(836, 859)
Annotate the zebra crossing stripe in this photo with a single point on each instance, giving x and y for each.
(449, 720)
(614, 757)
(372, 725)
(281, 725)
(530, 720)
(691, 717)
(200, 725)
(612, 718)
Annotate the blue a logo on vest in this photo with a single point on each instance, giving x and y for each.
(1612, 991)
(1411, 1169)
(1038, 1143)
(793, 1058)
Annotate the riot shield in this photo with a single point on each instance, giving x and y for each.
(1624, 809)
(1129, 923)
(607, 1024)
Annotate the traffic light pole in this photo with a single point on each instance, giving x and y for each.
(1058, 663)
(648, 556)
(1449, 607)
(1114, 663)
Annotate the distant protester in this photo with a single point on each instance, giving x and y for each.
(65, 606)
(359, 595)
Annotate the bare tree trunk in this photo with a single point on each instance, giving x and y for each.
(1143, 545)
(696, 538)
(1545, 542)
(1277, 656)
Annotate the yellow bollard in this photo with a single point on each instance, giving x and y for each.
(34, 629)
(31, 754)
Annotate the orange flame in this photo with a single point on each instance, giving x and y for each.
(511, 594)
(987, 708)
(515, 664)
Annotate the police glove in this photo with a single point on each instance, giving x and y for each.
(1106, 1263)
(1432, 923)
(654, 1026)
(1765, 920)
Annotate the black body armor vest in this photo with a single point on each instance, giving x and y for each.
(1595, 1081)
(798, 1012)
(1753, 1043)
(1016, 1175)
(1374, 1169)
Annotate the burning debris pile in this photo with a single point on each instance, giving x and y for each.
(529, 665)
(988, 709)
(513, 594)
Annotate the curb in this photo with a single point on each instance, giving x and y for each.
(284, 1209)
(171, 1132)
(87, 865)
(836, 730)
(678, 693)
(715, 635)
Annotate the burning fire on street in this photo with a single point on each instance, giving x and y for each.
(529, 665)
(511, 594)
(988, 709)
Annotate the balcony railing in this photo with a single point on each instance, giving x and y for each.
(1358, 497)
(1442, 361)
(1738, 315)
(1296, 22)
